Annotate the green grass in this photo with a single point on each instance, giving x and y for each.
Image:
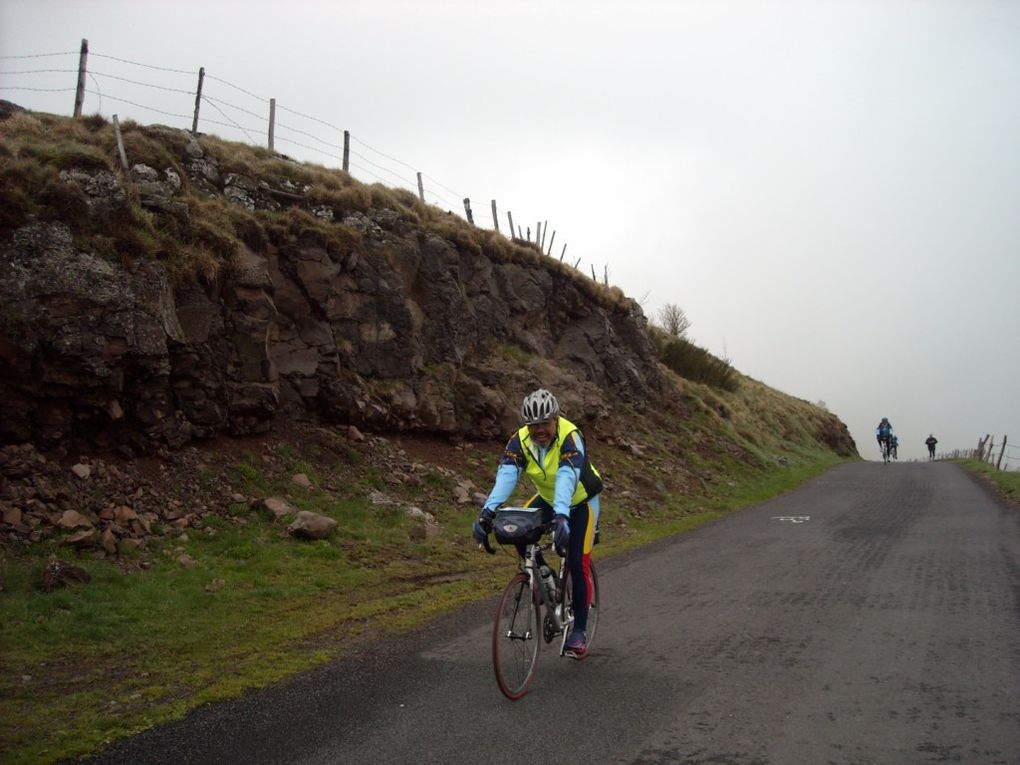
(134, 649)
(1005, 483)
(254, 597)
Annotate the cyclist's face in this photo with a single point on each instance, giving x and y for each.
(543, 432)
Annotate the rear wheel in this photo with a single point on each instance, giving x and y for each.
(515, 638)
(568, 606)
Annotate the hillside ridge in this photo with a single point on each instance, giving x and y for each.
(219, 291)
(216, 287)
(199, 352)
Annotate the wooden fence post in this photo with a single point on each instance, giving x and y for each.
(998, 465)
(120, 143)
(549, 251)
(347, 151)
(989, 452)
(563, 253)
(272, 121)
(495, 220)
(467, 209)
(979, 453)
(421, 189)
(529, 233)
(510, 217)
(520, 234)
(79, 93)
(545, 230)
(198, 99)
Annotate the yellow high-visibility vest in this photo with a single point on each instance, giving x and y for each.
(543, 474)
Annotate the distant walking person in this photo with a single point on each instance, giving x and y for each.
(931, 441)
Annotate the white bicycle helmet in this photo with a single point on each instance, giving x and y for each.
(539, 406)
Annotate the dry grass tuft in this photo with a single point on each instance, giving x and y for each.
(21, 184)
(341, 199)
(142, 148)
(296, 225)
(248, 229)
(66, 155)
(194, 263)
(20, 124)
(456, 231)
(409, 203)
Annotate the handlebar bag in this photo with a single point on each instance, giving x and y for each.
(518, 525)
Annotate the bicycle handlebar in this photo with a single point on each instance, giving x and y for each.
(487, 545)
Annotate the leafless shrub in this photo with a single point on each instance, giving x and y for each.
(674, 320)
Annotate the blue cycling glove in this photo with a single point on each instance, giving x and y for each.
(561, 537)
(482, 525)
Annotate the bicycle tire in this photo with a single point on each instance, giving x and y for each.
(593, 609)
(516, 633)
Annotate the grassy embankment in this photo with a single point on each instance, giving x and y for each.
(140, 646)
(1006, 484)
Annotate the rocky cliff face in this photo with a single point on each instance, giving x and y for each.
(388, 324)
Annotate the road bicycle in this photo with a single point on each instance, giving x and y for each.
(520, 627)
(886, 450)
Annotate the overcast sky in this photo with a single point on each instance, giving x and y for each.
(830, 190)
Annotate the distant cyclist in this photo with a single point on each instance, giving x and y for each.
(930, 442)
(551, 451)
(894, 444)
(884, 434)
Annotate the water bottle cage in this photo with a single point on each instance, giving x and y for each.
(549, 583)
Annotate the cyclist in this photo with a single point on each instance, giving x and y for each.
(884, 433)
(551, 451)
(894, 444)
(930, 442)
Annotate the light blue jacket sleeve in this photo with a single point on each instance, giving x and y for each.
(506, 482)
(567, 476)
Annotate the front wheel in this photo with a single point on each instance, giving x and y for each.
(593, 607)
(515, 638)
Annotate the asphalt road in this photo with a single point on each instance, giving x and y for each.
(872, 616)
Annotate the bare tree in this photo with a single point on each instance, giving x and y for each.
(674, 320)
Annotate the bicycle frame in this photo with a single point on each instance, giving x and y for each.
(530, 567)
(550, 595)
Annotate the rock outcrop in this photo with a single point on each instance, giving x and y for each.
(388, 325)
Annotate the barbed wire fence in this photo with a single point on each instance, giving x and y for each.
(1002, 456)
(255, 116)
